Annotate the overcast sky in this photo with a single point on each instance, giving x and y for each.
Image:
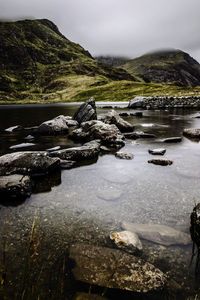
(118, 27)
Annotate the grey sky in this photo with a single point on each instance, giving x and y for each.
(118, 27)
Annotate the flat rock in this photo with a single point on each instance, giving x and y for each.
(192, 133)
(159, 151)
(176, 139)
(113, 268)
(87, 151)
(15, 187)
(160, 162)
(113, 117)
(14, 128)
(22, 145)
(28, 162)
(86, 112)
(159, 234)
(56, 148)
(139, 134)
(55, 126)
(127, 241)
(124, 155)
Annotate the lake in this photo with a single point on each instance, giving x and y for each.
(85, 204)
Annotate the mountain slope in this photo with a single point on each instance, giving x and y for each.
(171, 67)
(36, 57)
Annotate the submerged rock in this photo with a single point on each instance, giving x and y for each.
(159, 151)
(87, 151)
(15, 187)
(22, 145)
(113, 268)
(55, 126)
(127, 241)
(86, 112)
(160, 162)
(159, 234)
(124, 155)
(113, 117)
(176, 139)
(92, 130)
(29, 162)
(192, 133)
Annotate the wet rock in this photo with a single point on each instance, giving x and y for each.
(14, 128)
(67, 164)
(161, 162)
(108, 134)
(71, 123)
(137, 102)
(22, 145)
(114, 269)
(87, 151)
(54, 149)
(159, 234)
(127, 241)
(139, 134)
(192, 133)
(109, 194)
(112, 117)
(159, 151)
(138, 114)
(124, 155)
(15, 187)
(29, 162)
(195, 225)
(86, 112)
(124, 114)
(88, 296)
(176, 139)
(105, 149)
(55, 126)
(29, 137)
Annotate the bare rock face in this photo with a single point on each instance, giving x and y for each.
(87, 151)
(113, 117)
(192, 133)
(127, 241)
(159, 234)
(114, 269)
(160, 162)
(91, 130)
(15, 187)
(86, 112)
(57, 125)
(27, 163)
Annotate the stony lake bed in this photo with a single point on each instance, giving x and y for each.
(85, 204)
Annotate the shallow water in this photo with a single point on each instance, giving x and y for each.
(86, 203)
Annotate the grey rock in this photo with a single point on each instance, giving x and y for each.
(113, 117)
(29, 162)
(159, 151)
(137, 102)
(127, 241)
(22, 145)
(86, 112)
(192, 133)
(29, 137)
(159, 234)
(56, 148)
(139, 134)
(14, 128)
(124, 155)
(71, 123)
(67, 164)
(55, 126)
(113, 268)
(176, 139)
(87, 151)
(161, 162)
(15, 187)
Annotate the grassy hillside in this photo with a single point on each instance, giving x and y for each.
(170, 67)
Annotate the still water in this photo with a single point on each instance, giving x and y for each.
(85, 204)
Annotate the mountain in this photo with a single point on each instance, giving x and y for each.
(170, 67)
(112, 61)
(36, 58)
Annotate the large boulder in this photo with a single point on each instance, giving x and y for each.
(87, 151)
(86, 112)
(108, 134)
(193, 133)
(57, 125)
(113, 268)
(15, 187)
(137, 102)
(27, 163)
(159, 234)
(113, 117)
